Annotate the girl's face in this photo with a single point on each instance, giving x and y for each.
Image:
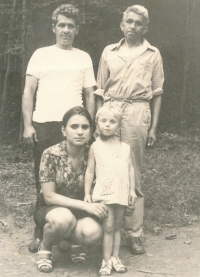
(108, 124)
(77, 130)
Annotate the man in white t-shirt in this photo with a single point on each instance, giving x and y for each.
(61, 76)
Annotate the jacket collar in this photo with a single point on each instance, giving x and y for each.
(122, 41)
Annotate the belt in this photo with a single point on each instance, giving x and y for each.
(127, 100)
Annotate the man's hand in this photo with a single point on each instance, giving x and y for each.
(151, 140)
(29, 136)
(132, 198)
(129, 210)
(87, 198)
(131, 203)
(97, 209)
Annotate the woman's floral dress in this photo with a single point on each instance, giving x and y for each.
(56, 167)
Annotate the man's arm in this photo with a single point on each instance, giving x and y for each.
(29, 135)
(155, 112)
(102, 78)
(89, 100)
(157, 89)
(99, 102)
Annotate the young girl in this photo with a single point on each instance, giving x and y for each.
(109, 159)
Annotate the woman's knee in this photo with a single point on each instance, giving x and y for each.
(61, 220)
(88, 231)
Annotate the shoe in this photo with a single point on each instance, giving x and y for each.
(106, 268)
(77, 254)
(44, 263)
(34, 245)
(78, 258)
(136, 246)
(118, 265)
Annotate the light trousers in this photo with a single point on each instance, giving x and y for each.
(136, 118)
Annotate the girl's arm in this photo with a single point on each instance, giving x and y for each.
(89, 175)
(132, 194)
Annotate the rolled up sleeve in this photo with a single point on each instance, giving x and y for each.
(158, 76)
(102, 75)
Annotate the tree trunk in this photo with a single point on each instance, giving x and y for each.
(24, 23)
(2, 58)
(9, 46)
(186, 97)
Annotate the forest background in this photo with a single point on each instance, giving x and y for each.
(171, 173)
(25, 25)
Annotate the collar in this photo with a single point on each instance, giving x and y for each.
(63, 148)
(122, 41)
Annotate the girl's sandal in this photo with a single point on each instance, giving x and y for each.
(43, 262)
(105, 268)
(117, 265)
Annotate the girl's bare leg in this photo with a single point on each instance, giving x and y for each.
(118, 216)
(108, 228)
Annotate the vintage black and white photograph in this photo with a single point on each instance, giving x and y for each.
(100, 138)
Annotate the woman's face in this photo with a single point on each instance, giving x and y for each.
(77, 130)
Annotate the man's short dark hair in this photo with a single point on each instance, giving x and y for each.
(67, 10)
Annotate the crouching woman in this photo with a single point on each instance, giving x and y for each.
(61, 210)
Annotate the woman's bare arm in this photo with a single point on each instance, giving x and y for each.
(53, 198)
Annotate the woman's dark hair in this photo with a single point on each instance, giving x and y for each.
(76, 111)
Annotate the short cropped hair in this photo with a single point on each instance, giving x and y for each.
(76, 111)
(109, 109)
(139, 10)
(67, 10)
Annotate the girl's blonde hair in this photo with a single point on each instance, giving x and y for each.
(110, 109)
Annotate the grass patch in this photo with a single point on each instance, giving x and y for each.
(170, 183)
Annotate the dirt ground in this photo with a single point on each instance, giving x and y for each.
(178, 257)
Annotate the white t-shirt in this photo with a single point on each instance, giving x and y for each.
(62, 74)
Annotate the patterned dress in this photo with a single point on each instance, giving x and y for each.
(112, 174)
(56, 167)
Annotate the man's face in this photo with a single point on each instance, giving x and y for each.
(65, 30)
(133, 26)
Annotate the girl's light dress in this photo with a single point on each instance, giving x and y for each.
(112, 174)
